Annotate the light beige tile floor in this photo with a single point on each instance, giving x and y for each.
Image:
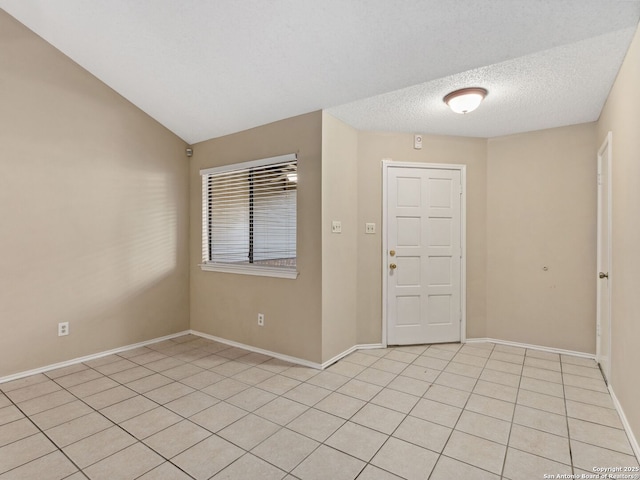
(191, 408)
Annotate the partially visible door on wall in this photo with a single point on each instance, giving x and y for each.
(603, 329)
(423, 257)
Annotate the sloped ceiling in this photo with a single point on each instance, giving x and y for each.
(209, 68)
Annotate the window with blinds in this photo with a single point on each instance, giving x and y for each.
(249, 217)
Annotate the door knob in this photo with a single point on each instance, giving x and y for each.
(603, 275)
(393, 266)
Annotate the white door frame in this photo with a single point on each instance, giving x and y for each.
(606, 146)
(386, 163)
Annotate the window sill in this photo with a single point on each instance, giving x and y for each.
(260, 271)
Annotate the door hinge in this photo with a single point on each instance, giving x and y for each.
(599, 179)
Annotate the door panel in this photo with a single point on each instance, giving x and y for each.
(409, 192)
(409, 313)
(409, 231)
(440, 311)
(603, 333)
(424, 272)
(409, 271)
(440, 232)
(439, 190)
(440, 273)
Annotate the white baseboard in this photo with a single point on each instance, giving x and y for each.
(625, 423)
(286, 358)
(367, 346)
(94, 356)
(532, 347)
(333, 360)
(300, 361)
(280, 356)
(370, 346)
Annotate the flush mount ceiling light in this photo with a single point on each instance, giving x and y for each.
(465, 100)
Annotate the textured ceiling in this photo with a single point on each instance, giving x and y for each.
(561, 86)
(208, 68)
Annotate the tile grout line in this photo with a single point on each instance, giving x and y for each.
(228, 377)
(142, 394)
(366, 463)
(116, 424)
(566, 409)
(46, 436)
(239, 419)
(389, 436)
(506, 452)
(284, 427)
(89, 367)
(461, 411)
(444, 446)
(168, 460)
(331, 390)
(161, 405)
(482, 414)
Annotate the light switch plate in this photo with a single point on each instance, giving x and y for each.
(336, 226)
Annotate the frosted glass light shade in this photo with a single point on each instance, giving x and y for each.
(465, 100)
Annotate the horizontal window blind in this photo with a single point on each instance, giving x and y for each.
(249, 213)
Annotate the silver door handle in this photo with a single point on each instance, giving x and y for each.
(603, 275)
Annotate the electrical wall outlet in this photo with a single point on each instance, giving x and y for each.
(63, 329)
(336, 226)
(369, 228)
(261, 319)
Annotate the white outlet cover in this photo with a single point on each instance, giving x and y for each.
(369, 228)
(336, 226)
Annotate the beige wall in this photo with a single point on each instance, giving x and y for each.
(621, 116)
(227, 305)
(339, 251)
(93, 209)
(94, 229)
(372, 148)
(541, 212)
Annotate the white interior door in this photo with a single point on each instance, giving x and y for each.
(603, 330)
(423, 257)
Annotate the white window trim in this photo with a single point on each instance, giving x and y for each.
(257, 270)
(252, 164)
